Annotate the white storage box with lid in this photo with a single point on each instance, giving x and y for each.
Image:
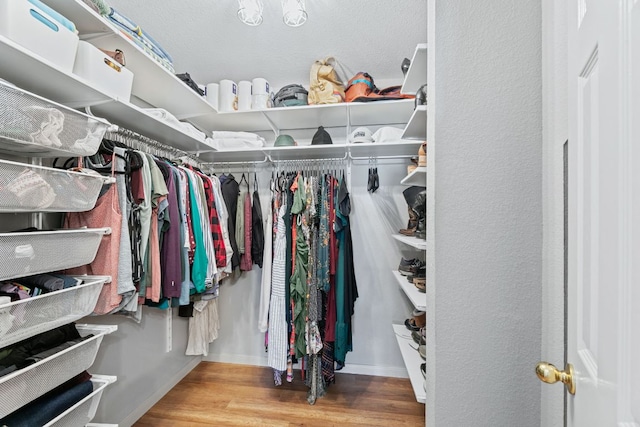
(27, 384)
(85, 410)
(103, 72)
(34, 29)
(33, 126)
(27, 253)
(27, 317)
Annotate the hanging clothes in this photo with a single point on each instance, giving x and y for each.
(170, 250)
(106, 213)
(266, 282)
(246, 263)
(230, 193)
(257, 231)
(278, 329)
(299, 277)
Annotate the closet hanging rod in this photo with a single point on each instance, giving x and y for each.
(398, 156)
(252, 162)
(330, 159)
(138, 141)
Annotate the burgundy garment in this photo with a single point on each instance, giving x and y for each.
(170, 251)
(245, 262)
(330, 318)
(137, 186)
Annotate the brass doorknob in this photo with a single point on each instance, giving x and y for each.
(550, 375)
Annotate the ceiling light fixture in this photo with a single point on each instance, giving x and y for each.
(294, 13)
(250, 12)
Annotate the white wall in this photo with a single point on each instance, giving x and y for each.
(555, 133)
(488, 214)
(136, 354)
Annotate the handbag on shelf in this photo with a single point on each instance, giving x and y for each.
(325, 87)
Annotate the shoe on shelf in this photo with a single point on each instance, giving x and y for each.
(409, 266)
(423, 369)
(422, 349)
(416, 322)
(422, 155)
(420, 284)
(419, 336)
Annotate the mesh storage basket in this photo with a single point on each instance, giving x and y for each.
(24, 318)
(84, 411)
(36, 127)
(25, 385)
(29, 188)
(25, 254)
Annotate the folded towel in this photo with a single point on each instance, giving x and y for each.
(127, 24)
(230, 144)
(247, 136)
(164, 115)
(190, 129)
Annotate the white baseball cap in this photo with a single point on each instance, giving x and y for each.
(388, 134)
(361, 135)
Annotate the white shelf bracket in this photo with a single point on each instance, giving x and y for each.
(169, 329)
(272, 125)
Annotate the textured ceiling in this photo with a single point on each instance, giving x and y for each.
(206, 39)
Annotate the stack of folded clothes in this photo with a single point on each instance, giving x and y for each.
(133, 31)
(165, 116)
(236, 140)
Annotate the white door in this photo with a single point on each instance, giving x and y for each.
(604, 212)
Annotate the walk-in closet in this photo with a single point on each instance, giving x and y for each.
(235, 201)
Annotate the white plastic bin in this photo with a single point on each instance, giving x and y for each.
(28, 253)
(30, 188)
(33, 126)
(102, 72)
(25, 318)
(84, 411)
(32, 28)
(26, 385)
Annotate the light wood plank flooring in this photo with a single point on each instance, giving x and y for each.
(219, 394)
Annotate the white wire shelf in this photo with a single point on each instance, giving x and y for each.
(23, 386)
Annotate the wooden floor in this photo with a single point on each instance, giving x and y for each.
(218, 394)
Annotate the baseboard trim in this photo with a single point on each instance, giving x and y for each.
(159, 394)
(350, 368)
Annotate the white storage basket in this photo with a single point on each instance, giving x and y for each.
(103, 72)
(27, 253)
(24, 318)
(26, 385)
(31, 27)
(36, 127)
(30, 188)
(84, 411)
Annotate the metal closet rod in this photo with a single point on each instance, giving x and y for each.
(144, 143)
